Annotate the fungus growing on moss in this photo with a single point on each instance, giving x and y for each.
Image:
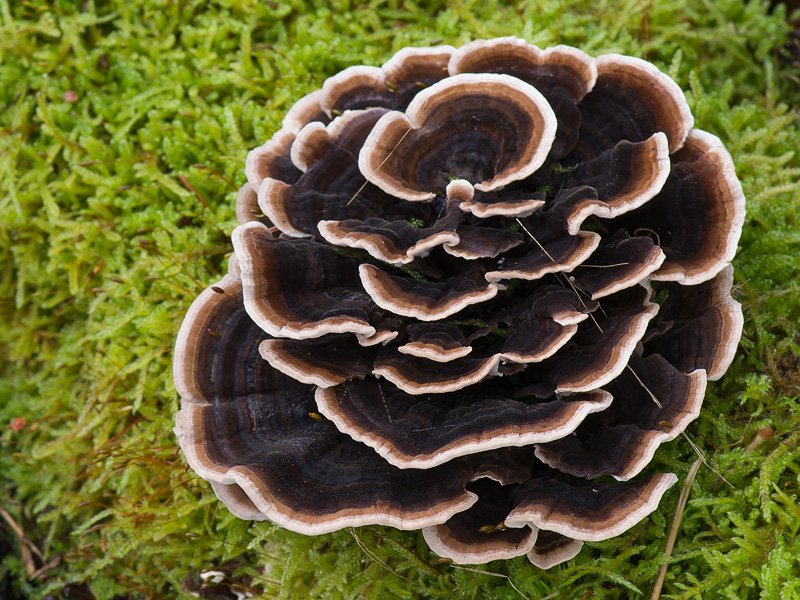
(499, 273)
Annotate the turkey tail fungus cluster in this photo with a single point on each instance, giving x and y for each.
(466, 286)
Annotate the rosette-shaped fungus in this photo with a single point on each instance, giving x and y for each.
(466, 285)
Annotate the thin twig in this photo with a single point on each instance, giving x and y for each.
(506, 577)
(385, 406)
(652, 395)
(574, 289)
(53, 563)
(535, 240)
(646, 229)
(400, 141)
(25, 544)
(197, 195)
(625, 264)
(377, 558)
(676, 522)
(383, 536)
(702, 456)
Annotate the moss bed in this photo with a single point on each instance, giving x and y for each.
(123, 133)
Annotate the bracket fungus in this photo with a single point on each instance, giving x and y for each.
(465, 286)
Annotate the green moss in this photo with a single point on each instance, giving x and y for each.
(116, 203)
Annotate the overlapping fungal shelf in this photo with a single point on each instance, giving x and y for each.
(466, 285)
